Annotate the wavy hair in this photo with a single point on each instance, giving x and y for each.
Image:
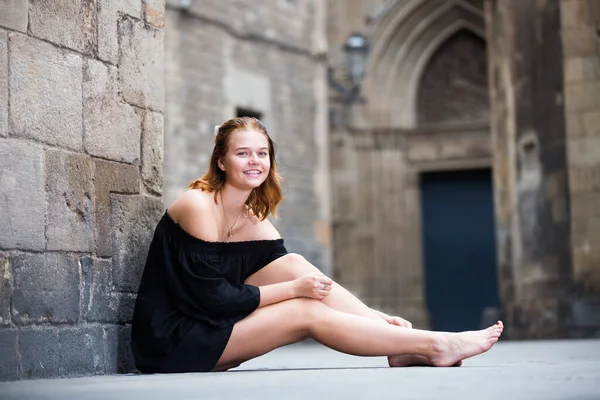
(264, 199)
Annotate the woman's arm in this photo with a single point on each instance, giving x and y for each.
(313, 286)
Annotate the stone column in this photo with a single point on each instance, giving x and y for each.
(530, 165)
(81, 122)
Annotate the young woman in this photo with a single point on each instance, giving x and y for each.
(219, 287)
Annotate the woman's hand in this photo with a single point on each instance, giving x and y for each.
(313, 285)
(398, 321)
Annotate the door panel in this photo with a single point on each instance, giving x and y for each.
(459, 247)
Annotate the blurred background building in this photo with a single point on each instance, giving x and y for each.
(441, 157)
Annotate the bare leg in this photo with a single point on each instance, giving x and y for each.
(293, 266)
(294, 320)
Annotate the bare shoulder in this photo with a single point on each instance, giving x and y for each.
(194, 212)
(263, 230)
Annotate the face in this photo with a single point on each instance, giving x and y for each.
(246, 163)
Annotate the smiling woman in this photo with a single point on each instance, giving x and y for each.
(220, 288)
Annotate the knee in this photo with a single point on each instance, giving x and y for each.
(306, 313)
(298, 265)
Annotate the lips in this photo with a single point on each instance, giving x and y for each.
(253, 172)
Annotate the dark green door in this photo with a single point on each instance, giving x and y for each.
(459, 246)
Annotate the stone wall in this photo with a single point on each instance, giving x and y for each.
(530, 166)
(222, 56)
(581, 48)
(81, 126)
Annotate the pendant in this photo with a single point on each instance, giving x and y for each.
(229, 234)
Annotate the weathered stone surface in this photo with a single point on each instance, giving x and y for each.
(134, 219)
(5, 289)
(22, 203)
(582, 96)
(39, 350)
(82, 350)
(46, 288)
(97, 275)
(45, 92)
(591, 123)
(579, 41)
(8, 355)
(108, 15)
(69, 187)
(154, 12)
(112, 128)
(584, 152)
(68, 23)
(152, 152)
(110, 177)
(119, 355)
(13, 14)
(141, 64)
(3, 83)
(99, 302)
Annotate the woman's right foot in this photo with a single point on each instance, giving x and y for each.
(453, 347)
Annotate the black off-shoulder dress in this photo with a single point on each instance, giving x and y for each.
(191, 294)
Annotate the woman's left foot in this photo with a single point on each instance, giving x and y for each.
(413, 360)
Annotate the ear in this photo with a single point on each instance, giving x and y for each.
(221, 165)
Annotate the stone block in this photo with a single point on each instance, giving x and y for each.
(584, 152)
(590, 122)
(571, 13)
(13, 14)
(584, 179)
(112, 128)
(69, 187)
(154, 12)
(582, 96)
(46, 288)
(97, 276)
(152, 152)
(118, 349)
(3, 83)
(573, 123)
(8, 355)
(39, 351)
(109, 12)
(22, 205)
(45, 92)
(70, 24)
(6, 287)
(579, 41)
(82, 350)
(141, 65)
(134, 219)
(110, 177)
(580, 69)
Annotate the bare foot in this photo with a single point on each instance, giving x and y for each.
(413, 360)
(454, 347)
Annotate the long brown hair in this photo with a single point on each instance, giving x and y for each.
(264, 199)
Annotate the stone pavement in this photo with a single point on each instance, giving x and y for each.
(567, 369)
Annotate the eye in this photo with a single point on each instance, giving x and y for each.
(263, 153)
(242, 153)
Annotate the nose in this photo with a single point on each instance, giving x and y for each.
(253, 159)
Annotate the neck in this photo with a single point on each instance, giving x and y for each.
(233, 200)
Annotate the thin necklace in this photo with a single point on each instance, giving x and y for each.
(229, 228)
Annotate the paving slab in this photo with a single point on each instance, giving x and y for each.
(568, 369)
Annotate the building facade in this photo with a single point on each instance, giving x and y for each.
(463, 187)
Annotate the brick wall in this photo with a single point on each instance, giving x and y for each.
(81, 121)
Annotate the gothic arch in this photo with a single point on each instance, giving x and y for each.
(404, 38)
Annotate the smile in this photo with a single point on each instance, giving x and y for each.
(253, 172)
